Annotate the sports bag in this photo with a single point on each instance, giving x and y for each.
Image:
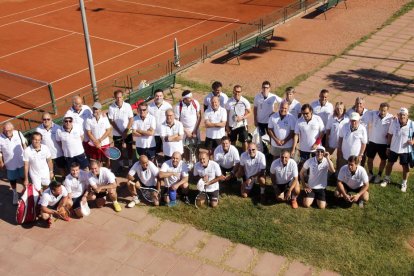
(27, 205)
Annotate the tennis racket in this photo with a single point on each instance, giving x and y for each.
(110, 152)
(202, 200)
(151, 195)
(239, 109)
(191, 144)
(63, 213)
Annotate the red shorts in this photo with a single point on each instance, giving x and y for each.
(95, 153)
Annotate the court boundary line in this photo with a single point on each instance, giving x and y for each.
(11, 14)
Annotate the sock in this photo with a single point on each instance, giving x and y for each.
(404, 182)
(262, 190)
(387, 177)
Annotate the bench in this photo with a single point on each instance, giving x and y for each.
(328, 5)
(243, 47)
(147, 93)
(265, 37)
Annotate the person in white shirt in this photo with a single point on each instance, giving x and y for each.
(399, 146)
(294, 105)
(172, 134)
(157, 109)
(174, 173)
(353, 139)
(252, 170)
(147, 176)
(188, 112)
(210, 172)
(103, 183)
(237, 124)
(216, 91)
(284, 174)
(215, 119)
(37, 163)
(353, 178)
(281, 129)
(77, 185)
(334, 125)
(98, 130)
(317, 179)
(265, 104)
(228, 158)
(121, 118)
(324, 109)
(79, 112)
(143, 129)
(48, 130)
(52, 200)
(12, 145)
(378, 125)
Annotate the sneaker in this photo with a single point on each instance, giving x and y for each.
(134, 201)
(384, 182)
(294, 203)
(172, 203)
(377, 179)
(49, 222)
(403, 187)
(117, 207)
(186, 200)
(15, 198)
(361, 203)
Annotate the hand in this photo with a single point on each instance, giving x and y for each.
(327, 155)
(410, 142)
(125, 134)
(166, 139)
(205, 178)
(288, 195)
(292, 153)
(25, 182)
(314, 146)
(347, 197)
(188, 133)
(97, 143)
(97, 190)
(307, 189)
(355, 198)
(51, 174)
(239, 118)
(359, 158)
(194, 134)
(84, 199)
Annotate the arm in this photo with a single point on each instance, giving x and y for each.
(26, 173)
(182, 181)
(95, 141)
(149, 132)
(114, 126)
(364, 188)
(50, 164)
(331, 167)
(217, 179)
(339, 148)
(254, 115)
(163, 175)
(341, 189)
(295, 143)
(290, 136)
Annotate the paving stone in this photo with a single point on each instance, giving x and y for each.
(53, 255)
(65, 242)
(146, 224)
(26, 246)
(166, 233)
(215, 248)
(120, 225)
(127, 270)
(241, 257)
(162, 263)
(298, 269)
(185, 266)
(190, 240)
(135, 214)
(123, 249)
(98, 217)
(269, 264)
(207, 270)
(31, 267)
(142, 257)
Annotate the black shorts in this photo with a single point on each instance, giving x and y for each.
(281, 188)
(118, 141)
(101, 194)
(404, 157)
(262, 128)
(80, 159)
(158, 144)
(374, 149)
(349, 190)
(304, 155)
(60, 162)
(239, 132)
(211, 144)
(224, 171)
(318, 194)
(214, 196)
(76, 202)
(149, 152)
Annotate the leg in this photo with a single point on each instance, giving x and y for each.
(321, 204)
(262, 184)
(307, 202)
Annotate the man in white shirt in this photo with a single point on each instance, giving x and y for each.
(77, 185)
(37, 163)
(294, 105)
(324, 109)
(121, 118)
(265, 104)
(216, 91)
(228, 158)
(172, 135)
(52, 200)
(147, 176)
(353, 178)
(284, 174)
(79, 111)
(399, 146)
(252, 170)
(103, 184)
(215, 118)
(143, 129)
(317, 179)
(237, 123)
(174, 173)
(12, 145)
(188, 112)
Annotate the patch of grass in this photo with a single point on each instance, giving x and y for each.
(403, 10)
(411, 112)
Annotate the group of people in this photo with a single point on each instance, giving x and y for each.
(309, 133)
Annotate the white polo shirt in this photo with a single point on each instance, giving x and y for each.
(37, 159)
(212, 171)
(295, 108)
(215, 117)
(144, 142)
(282, 128)
(181, 168)
(230, 111)
(353, 181)
(227, 159)
(71, 141)
(363, 120)
(378, 127)
(159, 114)
(400, 136)
(352, 140)
(48, 199)
(324, 112)
(284, 174)
(147, 177)
(77, 186)
(253, 165)
(170, 147)
(12, 150)
(79, 117)
(308, 132)
(49, 139)
(188, 114)
(265, 106)
(105, 177)
(98, 128)
(120, 116)
(335, 125)
(223, 99)
(318, 172)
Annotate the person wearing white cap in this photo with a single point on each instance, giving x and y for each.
(400, 145)
(188, 112)
(353, 139)
(317, 178)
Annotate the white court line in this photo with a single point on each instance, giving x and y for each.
(11, 14)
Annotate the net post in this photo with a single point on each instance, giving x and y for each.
(52, 98)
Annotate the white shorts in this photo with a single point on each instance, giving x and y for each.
(40, 181)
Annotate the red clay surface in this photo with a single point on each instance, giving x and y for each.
(43, 39)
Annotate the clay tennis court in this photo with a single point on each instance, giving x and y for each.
(43, 40)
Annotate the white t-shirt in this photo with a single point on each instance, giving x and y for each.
(170, 147)
(37, 159)
(228, 159)
(335, 126)
(308, 132)
(181, 168)
(48, 199)
(105, 177)
(284, 174)
(253, 165)
(295, 108)
(159, 114)
(324, 112)
(12, 150)
(377, 127)
(282, 128)
(120, 116)
(223, 99)
(363, 120)
(49, 139)
(139, 124)
(265, 106)
(231, 114)
(147, 177)
(212, 171)
(353, 181)
(188, 114)
(400, 136)
(77, 186)
(318, 173)
(79, 117)
(215, 117)
(352, 141)
(71, 141)
(98, 128)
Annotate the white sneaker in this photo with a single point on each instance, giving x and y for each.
(403, 187)
(377, 179)
(361, 203)
(384, 183)
(15, 198)
(134, 201)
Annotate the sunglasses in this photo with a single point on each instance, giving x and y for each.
(252, 149)
(143, 110)
(46, 119)
(67, 121)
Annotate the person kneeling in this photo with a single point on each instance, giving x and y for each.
(77, 185)
(54, 202)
